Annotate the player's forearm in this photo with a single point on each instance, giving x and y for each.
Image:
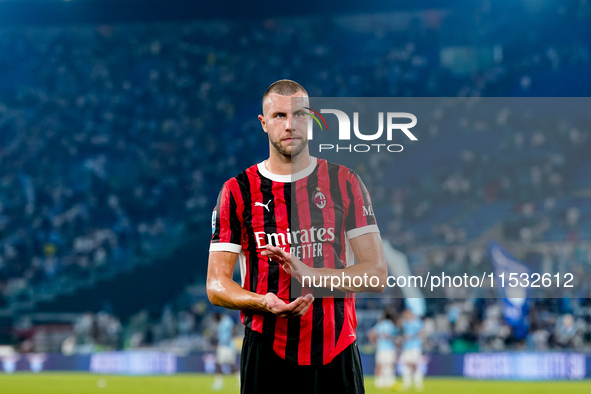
(362, 277)
(226, 293)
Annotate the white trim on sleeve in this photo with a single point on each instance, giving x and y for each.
(356, 232)
(225, 247)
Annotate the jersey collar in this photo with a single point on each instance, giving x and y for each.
(287, 178)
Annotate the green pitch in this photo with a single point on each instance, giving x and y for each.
(62, 383)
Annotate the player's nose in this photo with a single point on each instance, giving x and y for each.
(288, 123)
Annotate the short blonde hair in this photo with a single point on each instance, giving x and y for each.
(284, 87)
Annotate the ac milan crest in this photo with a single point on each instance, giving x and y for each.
(320, 199)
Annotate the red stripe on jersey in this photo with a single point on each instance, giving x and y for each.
(282, 223)
(238, 198)
(328, 215)
(328, 252)
(348, 333)
(240, 213)
(282, 226)
(257, 322)
(225, 227)
(280, 336)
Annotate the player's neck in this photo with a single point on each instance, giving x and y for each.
(280, 165)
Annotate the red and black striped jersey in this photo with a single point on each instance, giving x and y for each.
(312, 214)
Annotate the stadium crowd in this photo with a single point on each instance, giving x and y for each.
(109, 144)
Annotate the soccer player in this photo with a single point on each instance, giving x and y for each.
(226, 351)
(289, 216)
(383, 334)
(412, 351)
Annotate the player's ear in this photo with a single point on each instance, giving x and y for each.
(263, 123)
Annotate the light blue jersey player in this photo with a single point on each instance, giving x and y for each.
(383, 334)
(412, 350)
(226, 350)
(225, 337)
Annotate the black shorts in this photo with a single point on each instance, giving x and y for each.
(264, 372)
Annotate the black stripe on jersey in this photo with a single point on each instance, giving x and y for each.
(293, 324)
(216, 233)
(235, 237)
(293, 339)
(339, 317)
(317, 342)
(270, 223)
(335, 191)
(316, 217)
(317, 221)
(253, 262)
(337, 198)
(370, 219)
(248, 319)
(351, 220)
(297, 291)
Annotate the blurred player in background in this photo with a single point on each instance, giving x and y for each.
(226, 351)
(383, 334)
(566, 332)
(412, 351)
(303, 344)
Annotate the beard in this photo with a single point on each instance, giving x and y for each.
(295, 149)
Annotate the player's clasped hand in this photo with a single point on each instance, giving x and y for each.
(298, 307)
(290, 264)
(295, 268)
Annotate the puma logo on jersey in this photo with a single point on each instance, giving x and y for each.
(260, 204)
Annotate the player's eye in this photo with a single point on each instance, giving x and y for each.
(298, 113)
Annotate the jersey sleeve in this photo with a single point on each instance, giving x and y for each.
(226, 225)
(360, 218)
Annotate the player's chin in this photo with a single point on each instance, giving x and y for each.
(295, 146)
